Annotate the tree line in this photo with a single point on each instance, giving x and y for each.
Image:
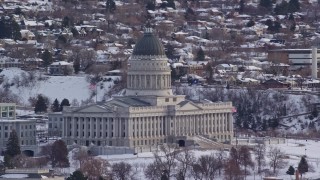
(170, 162)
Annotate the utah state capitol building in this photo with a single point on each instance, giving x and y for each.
(148, 113)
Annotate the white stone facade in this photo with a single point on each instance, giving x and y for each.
(133, 126)
(148, 114)
(26, 129)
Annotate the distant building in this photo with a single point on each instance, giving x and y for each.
(272, 83)
(26, 129)
(296, 58)
(55, 122)
(9, 62)
(61, 68)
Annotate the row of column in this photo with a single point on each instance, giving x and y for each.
(147, 127)
(149, 81)
(202, 124)
(85, 127)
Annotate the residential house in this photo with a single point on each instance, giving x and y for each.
(272, 83)
(27, 35)
(6, 62)
(227, 67)
(60, 68)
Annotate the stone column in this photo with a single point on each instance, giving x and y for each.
(143, 127)
(215, 123)
(158, 126)
(74, 127)
(103, 130)
(91, 127)
(129, 128)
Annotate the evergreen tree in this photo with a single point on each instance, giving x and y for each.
(77, 175)
(12, 149)
(264, 126)
(200, 55)
(314, 112)
(241, 6)
(290, 171)
(41, 105)
(266, 4)
(190, 15)
(18, 11)
(59, 154)
(55, 106)
(250, 23)
(293, 6)
(76, 66)
(15, 30)
(281, 8)
(9, 28)
(64, 102)
(171, 4)
(110, 6)
(47, 58)
(151, 5)
(67, 22)
(277, 26)
(291, 17)
(293, 27)
(303, 166)
(75, 32)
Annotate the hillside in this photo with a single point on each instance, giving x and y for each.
(74, 88)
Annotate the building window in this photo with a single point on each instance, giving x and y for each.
(6, 128)
(167, 99)
(5, 134)
(174, 99)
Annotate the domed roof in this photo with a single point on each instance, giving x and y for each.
(149, 45)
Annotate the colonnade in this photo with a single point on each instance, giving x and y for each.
(147, 81)
(144, 130)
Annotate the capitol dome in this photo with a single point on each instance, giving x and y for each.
(148, 71)
(149, 45)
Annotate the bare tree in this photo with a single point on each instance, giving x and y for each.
(186, 159)
(245, 158)
(95, 168)
(232, 169)
(259, 152)
(276, 157)
(80, 155)
(122, 171)
(206, 167)
(164, 165)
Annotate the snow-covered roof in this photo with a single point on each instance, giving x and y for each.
(61, 63)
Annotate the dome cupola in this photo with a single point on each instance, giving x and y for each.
(148, 45)
(148, 70)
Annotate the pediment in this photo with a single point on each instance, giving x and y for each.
(189, 106)
(93, 109)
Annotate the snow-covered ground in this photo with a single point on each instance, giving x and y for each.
(294, 149)
(60, 87)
